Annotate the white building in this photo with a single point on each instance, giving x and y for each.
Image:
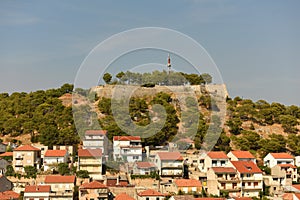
(95, 139)
(150, 195)
(169, 164)
(250, 176)
(91, 161)
(37, 192)
(128, 148)
(143, 168)
(241, 156)
(273, 159)
(213, 159)
(53, 157)
(62, 187)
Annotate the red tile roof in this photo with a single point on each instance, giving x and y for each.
(37, 188)
(145, 165)
(228, 170)
(187, 183)
(93, 185)
(123, 196)
(287, 166)
(248, 167)
(8, 195)
(150, 192)
(26, 148)
(89, 152)
(127, 138)
(288, 196)
(95, 132)
(59, 179)
(170, 156)
(242, 154)
(55, 153)
(296, 186)
(6, 154)
(282, 156)
(217, 155)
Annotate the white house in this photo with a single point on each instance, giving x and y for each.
(241, 156)
(169, 163)
(37, 192)
(250, 176)
(273, 159)
(95, 139)
(53, 157)
(91, 160)
(143, 168)
(62, 187)
(213, 159)
(128, 148)
(150, 195)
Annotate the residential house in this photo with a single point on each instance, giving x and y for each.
(96, 139)
(9, 195)
(150, 195)
(182, 197)
(37, 192)
(93, 190)
(62, 187)
(43, 149)
(5, 184)
(70, 149)
(3, 147)
(128, 148)
(188, 186)
(143, 168)
(53, 157)
(213, 159)
(273, 159)
(223, 179)
(169, 164)
(274, 182)
(91, 160)
(250, 176)
(287, 171)
(3, 165)
(123, 196)
(26, 155)
(241, 156)
(8, 155)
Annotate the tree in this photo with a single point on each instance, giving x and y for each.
(30, 171)
(82, 174)
(63, 169)
(288, 123)
(10, 171)
(207, 78)
(107, 78)
(234, 125)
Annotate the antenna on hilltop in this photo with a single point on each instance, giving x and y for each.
(169, 64)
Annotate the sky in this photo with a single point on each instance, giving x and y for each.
(255, 44)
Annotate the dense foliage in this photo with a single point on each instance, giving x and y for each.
(39, 113)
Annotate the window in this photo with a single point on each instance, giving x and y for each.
(255, 183)
(214, 163)
(220, 175)
(147, 198)
(248, 175)
(223, 163)
(157, 198)
(249, 183)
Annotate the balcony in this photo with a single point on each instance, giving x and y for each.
(229, 180)
(234, 189)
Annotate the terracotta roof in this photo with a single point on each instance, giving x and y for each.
(59, 179)
(6, 154)
(150, 192)
(145, 165)
(126, 138)
(296, 186)
(37, 188)
(187, 183)
(282, 156)
(242, 154)
(170, 156)
(89, 152)
(217, 155)
(8, 195)
(123, 196)
(26, 148)
(183, 197)
(229, 170)
(297, 195)
(55, 153)
(95, 132)
(93, 185)
(246, 167)
(287, 165)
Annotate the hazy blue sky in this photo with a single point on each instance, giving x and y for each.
(255, 44)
